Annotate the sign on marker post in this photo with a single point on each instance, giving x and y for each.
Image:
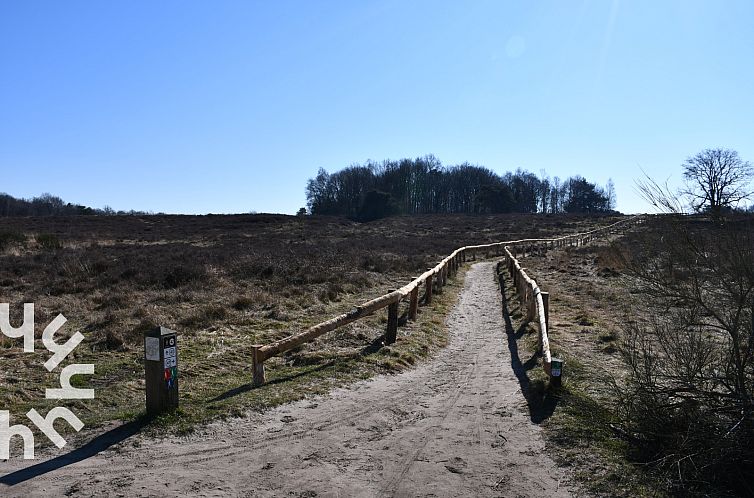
(161, 370)
(556, 375)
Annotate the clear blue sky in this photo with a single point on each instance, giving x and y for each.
(219, 106)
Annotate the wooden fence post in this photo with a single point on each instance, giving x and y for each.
(257, 366)
(521, 286)
(428, 283)
(392, 323)
(546, 305)
(413, 305)
(531, 302)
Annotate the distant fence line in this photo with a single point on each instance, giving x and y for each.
(433, 280)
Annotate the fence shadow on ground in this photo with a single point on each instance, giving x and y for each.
(373, 347)
(88, 450)
(540, 400)
(250, 386)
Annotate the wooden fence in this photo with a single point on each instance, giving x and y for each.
(432, 280)
(536, 303)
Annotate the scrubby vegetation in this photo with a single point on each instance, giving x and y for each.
(686, 405)
(657, 334)
(225, 283)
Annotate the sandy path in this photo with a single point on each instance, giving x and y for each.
(455, 426)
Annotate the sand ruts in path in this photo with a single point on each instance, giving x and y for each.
(455, 426)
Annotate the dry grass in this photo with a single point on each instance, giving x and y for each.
(225, 283)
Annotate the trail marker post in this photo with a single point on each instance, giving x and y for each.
(161, 370)
(556, 372)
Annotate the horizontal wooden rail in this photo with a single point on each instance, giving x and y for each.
(533, 299)
(433, 279)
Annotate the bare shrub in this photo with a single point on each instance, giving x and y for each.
(10, 238)
(48, 241)
(179, 275)
(686, 405)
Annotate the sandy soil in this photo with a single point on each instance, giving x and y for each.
(457, 425)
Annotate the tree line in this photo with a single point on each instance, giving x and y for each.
(50, 205)
(424, 185)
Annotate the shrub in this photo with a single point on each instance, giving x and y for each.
(376, 205)
(178, 276)
(9, 238)
(205, 317)
(48, 241)
(243, 303)
(686, 406)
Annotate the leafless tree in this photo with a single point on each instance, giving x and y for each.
(659, 195)
(716, 179)
(610, 194)
(687, 404)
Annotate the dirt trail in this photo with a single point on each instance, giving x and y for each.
(455, 426)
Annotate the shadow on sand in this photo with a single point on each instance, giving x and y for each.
(371, 348)
(90, 449)
(123, 432)
(540, 398)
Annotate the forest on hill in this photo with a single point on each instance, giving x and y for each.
(423, 185)
(50, 205)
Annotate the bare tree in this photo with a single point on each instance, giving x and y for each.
(610, 193)
(659, 195)
(686, 406)
(716, 179)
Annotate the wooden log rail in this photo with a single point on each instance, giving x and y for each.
(536, 304)
(433, 280)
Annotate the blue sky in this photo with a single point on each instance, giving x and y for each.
(196, 107)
